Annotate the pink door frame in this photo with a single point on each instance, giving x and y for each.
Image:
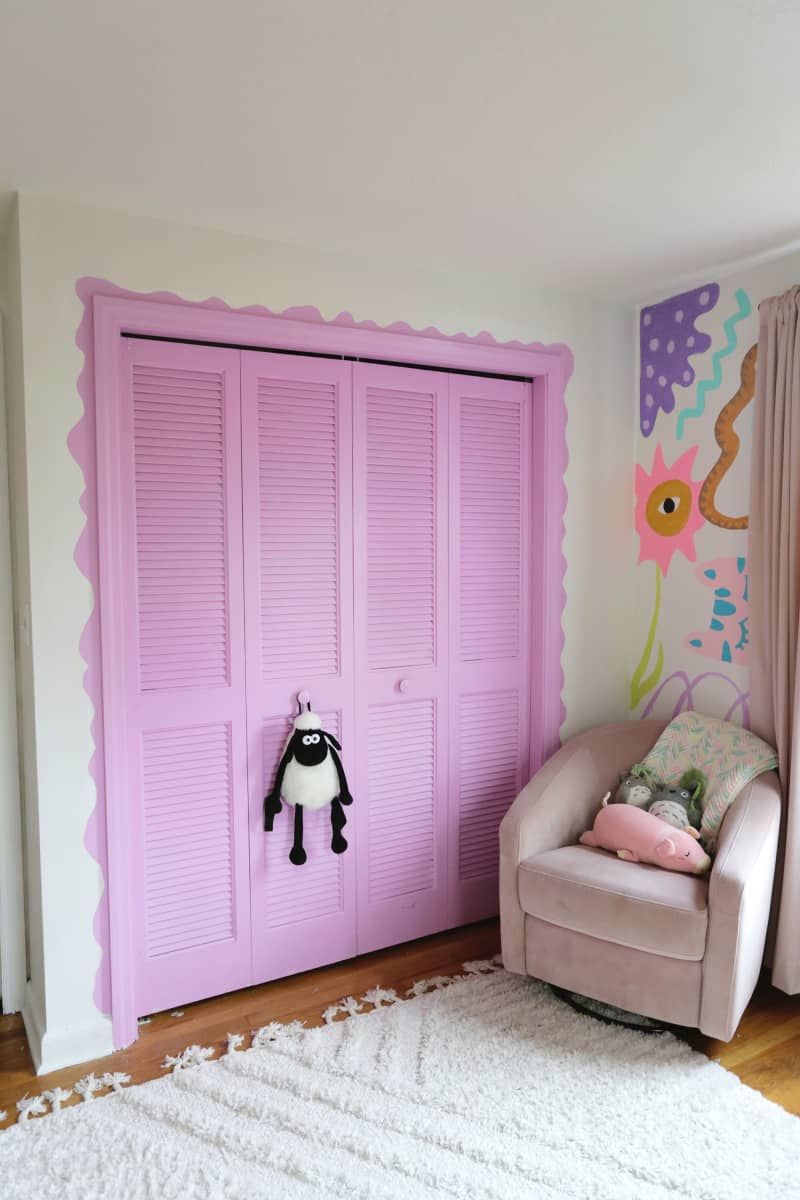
(304, 330)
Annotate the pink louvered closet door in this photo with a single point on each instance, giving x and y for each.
(357, 531)
(490, 616)
(179, 632)
(297, 508)
(400, 504)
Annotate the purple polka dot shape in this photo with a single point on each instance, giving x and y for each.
(667, 336)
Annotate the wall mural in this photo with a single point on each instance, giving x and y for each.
(709, 385)
(668, 337)
(684, 693)
(667, 517)
(727, 636)
(728, 441)
(702, 611)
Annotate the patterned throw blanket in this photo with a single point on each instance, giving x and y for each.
(728, 756)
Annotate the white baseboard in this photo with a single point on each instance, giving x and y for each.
(33, 1021)
(52, 1049)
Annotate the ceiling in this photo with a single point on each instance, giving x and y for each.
(606, 146)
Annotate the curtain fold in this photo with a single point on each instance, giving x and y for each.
(774, 580)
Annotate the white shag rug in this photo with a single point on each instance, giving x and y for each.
(489, 1088)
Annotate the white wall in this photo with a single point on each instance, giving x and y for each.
(12, 925)
(686, 602)
(60, 244)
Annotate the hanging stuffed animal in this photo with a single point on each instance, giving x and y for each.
(310, 775)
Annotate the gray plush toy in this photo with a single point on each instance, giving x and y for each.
(636, 787)
(671, 805)
(680, 806)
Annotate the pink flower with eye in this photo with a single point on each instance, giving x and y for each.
(667, 513)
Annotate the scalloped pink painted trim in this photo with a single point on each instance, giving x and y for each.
(82, 445)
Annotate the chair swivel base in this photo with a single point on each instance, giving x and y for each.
(609, 1013)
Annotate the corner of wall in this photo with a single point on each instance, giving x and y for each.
(600, 588)
(12, 904)
(20, 571)
(66, 1047)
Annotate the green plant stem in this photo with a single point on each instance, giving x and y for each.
(641, 685)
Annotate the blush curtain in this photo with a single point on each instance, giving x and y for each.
(774, 579)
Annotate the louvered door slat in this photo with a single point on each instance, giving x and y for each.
(163, 457)
(299, 526)
(490, 530)
(490, 457)
(176, 622)
(489, 737)
(400, 503)
(401, 535)
(297, 504)
(402, 790)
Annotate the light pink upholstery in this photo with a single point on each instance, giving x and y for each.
(668, 988)
(594, 892)
(682, 949)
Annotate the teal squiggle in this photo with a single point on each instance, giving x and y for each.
(704, 386)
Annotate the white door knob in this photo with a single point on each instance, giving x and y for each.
(404, 685)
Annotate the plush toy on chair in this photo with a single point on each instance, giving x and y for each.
(638, 836)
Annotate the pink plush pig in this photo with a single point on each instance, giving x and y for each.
(638, 836)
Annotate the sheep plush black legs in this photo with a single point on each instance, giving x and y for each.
(338, 822)
(297, 854)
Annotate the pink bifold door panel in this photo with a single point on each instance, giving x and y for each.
(490, 636)
(357, 531)
(178, 628)
(297, 506)
(400, 506)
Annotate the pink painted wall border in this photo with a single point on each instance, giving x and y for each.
(305, 327)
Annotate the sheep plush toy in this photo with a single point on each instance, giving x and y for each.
(638, 836)
(310, 775)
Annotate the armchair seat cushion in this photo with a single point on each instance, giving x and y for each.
(593, 892)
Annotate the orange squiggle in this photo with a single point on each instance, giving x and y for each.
(728, 441)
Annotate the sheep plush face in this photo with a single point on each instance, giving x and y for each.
(307, 744)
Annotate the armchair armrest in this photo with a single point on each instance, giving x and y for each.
(558, 804)
(739, 898)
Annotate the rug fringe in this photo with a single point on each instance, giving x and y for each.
(30, 1106)
(192, 1056)
(377, 997)
(275, 1031)
(56, 1096)
(115, 1080)
(87, 1086)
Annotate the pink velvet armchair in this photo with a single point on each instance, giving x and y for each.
(679, 948)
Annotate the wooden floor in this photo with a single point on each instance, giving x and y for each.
(764, 1054)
